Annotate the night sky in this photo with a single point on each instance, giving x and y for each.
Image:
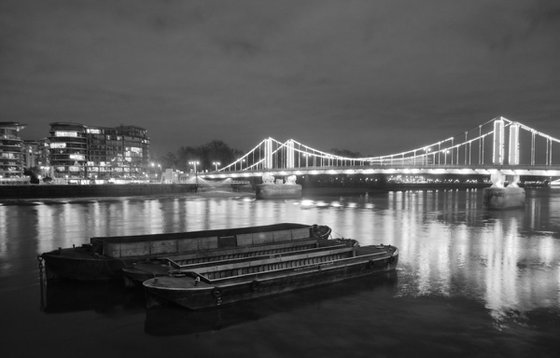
(371, 76)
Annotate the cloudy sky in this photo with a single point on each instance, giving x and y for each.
(370, 76)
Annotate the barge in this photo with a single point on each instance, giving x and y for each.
(105, 257)
(232, 282)
(140, 271)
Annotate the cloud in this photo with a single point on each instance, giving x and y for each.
(352, 74)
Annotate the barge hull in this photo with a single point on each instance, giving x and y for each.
(300, 278)
(105, 257)
(60, 266)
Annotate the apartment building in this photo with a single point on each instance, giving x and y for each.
(80, 152)
(11, 150)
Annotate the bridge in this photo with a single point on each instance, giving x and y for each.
(500, 148)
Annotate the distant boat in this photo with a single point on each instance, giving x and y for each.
(238, 281)
(105, 257)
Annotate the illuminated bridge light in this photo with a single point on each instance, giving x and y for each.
(437, 171)
(461, 157)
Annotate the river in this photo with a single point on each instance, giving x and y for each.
(470, 282)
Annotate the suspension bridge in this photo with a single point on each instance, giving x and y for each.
(500, 148)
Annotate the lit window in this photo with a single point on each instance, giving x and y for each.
(77, 156)
(65, 134)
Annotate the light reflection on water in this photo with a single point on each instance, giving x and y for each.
(449, 245)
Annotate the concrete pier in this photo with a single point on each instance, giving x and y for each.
(504, 198)
(278, 191)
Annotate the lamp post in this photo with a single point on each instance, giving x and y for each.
(194, 163)
(216, 164)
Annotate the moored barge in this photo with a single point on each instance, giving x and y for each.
(232, 282)
(105, 257)
(140, 271)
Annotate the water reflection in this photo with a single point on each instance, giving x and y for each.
(101, 297)
(454, 250)
(170, 320)
(449, 245)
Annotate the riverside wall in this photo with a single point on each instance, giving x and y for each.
(28, 191)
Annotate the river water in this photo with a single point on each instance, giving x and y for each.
(470, 282)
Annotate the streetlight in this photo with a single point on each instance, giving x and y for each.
(194, 163)
(216, 164)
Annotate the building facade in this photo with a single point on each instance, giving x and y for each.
(11, 150)
(79, 152)
(36, 154)
(68, 150)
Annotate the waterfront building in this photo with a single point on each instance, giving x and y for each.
(68, 150)
(36, 154)
(11, 147)
(80, 152)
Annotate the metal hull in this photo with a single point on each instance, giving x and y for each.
(91, 263)
(262, 285)
(81, 268)
(139, 272)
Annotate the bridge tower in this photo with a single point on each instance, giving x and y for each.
(290, 162)
(268, 163)
(496, 176)
(498, 143)
(513, 151)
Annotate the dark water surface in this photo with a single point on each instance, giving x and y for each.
(470, 282)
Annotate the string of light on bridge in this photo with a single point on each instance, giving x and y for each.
(481, 152)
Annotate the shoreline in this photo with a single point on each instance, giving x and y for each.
(27, 192)
(49, 191)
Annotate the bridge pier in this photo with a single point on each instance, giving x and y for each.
(499, 196)
(272, 188)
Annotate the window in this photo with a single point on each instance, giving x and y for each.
(65, 134)
(77, 157)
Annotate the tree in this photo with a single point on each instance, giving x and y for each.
(206, 154)
(33, 173)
